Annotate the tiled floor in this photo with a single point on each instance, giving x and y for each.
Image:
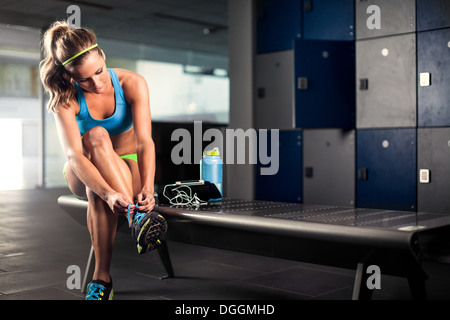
(38, 242)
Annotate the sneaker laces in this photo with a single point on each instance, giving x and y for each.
(95, 291)
(138, 216)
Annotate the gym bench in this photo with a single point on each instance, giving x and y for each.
(344, 237)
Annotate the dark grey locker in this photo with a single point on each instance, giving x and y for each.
(433, 162)
(386, 82)
(274, 83)
(433, 14)
(433, 90)
(386, 164)
(376, 18)
(329, 167)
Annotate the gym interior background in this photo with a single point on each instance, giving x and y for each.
(358, 90)
(361, 111)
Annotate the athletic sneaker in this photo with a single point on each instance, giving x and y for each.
(99, 290)
(147, 230)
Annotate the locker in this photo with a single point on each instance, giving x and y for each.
(278, 24)
(433, 63)
(377, 18)
(386, 169)
(324, 78)
(386, 82)
(329, 20)
(329, 167)
(433, 162)
(433, 14)
(286, 185)
(274, 102)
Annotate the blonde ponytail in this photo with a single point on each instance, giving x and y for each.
(59, 43)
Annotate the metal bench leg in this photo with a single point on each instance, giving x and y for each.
(89, 270)
(360, 290)
(163, 251)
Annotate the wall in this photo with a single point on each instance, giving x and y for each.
(239, 177)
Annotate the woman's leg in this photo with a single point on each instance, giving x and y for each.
(102, 223)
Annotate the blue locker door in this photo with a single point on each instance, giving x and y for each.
(433, 14)
(278, 24)
(433, 68)
(324, 84)
(329, 20)
(386, 169)
(287, 184)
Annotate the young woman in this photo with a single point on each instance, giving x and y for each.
(104, 125)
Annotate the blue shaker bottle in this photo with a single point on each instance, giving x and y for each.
(211, 168)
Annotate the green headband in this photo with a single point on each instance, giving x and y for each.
(79, 54)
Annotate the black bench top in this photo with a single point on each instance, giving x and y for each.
(375, 226)
(333, 223)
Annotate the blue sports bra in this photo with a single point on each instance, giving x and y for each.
(120, 121)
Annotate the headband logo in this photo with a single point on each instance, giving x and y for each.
(74, 20)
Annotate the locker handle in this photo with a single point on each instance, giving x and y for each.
(363, 84)
(425, 79)
(309, 172)
(308, 6)
(261, 92)
(362, 174)
(302, 83)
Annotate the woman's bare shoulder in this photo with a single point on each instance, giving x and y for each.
(133, 84)
(70, 108)
(127, 76)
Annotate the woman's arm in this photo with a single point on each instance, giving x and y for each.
(70, 138)
(136, 91)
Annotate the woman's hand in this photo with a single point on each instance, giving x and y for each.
(118, 204)
(146, 201)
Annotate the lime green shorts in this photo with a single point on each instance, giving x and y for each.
(132, 156)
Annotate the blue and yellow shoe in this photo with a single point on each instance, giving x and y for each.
(147, 229)
(99, 290)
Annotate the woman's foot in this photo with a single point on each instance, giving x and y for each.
(147, 229)
(99, 290)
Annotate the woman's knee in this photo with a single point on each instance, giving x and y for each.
(74, 183)
(96, 138)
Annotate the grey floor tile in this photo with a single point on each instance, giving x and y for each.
(207, 273)
(52, 293)
(137, 286)
(235, 290)
(303, 281)
(20, 281)
(255, 263)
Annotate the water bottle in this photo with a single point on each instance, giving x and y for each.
(211, 168)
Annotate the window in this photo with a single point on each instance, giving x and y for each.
(186, 93)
